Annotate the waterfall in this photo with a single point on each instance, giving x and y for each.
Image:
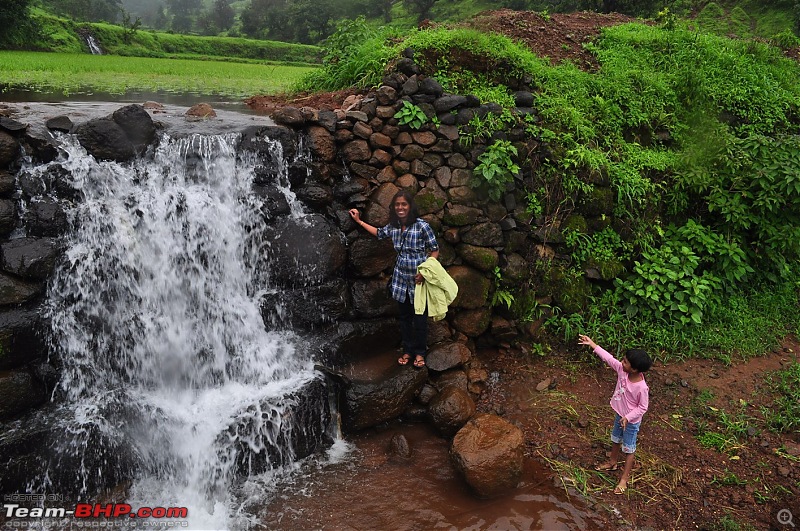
(156, 321)
(93, 45)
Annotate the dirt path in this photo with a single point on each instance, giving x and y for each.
(677, 483)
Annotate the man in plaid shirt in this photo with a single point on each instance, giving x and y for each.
(414, 241)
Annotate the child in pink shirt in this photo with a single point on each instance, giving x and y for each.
(630, 401)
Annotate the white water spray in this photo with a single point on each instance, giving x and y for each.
(93, 45)
(156, 311)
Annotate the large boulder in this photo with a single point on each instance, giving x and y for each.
(7, 216)
(306, 252)
(354, 339)
(52, 439)
(308, 307)
(473, 323)
(259, 441)
(137, 124)
(321, 143)
(370, 256)
(451, 409)
(105, 139)
(473, 287)
(369, 403)
(482, 258)
(447, 355)
(484, 235)
(371, 298)
(40, 143)
(488, 452)
(46, 217)
(7, 184)
(16, 291)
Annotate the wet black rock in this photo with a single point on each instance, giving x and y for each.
(31, 258)
(104, 139)
(369, 403)
(60, 123)
(137, 124)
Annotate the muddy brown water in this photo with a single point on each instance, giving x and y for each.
(371, 489)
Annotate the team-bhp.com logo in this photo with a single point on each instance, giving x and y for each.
(124, 514)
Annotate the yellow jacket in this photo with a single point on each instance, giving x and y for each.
(437, 292)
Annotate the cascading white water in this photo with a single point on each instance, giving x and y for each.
(93, 45)
(156, 311)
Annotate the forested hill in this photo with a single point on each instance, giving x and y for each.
(312, 21)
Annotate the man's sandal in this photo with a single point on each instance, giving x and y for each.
(404, 359)
(605, 467)
(621, 488)
(419, 362)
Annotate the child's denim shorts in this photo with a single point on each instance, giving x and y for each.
(628, 439)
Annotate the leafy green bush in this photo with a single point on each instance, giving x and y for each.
(355, 56)
(496, 168)
(785, 39)
(752, 189)
(411, 115)
(668, 285)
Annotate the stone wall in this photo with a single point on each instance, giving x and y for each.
(363, 156)
(26, 264)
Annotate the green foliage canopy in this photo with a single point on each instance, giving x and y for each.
(15, 21)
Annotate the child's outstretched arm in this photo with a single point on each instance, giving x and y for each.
(610, 360)
(586, 340)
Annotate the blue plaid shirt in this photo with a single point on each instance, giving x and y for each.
(412, 246)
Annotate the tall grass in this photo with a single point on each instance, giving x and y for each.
(70, 73)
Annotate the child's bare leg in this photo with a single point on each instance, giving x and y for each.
(614, 459)
(626, 474)
(611, 464)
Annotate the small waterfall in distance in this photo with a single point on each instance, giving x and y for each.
(91, 43)
(157, 324)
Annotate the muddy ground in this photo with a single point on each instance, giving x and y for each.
(677, 483)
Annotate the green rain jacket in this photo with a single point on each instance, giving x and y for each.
(437, 292)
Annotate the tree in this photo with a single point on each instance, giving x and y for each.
(219, 17)
(223, 14)
(264, 17)
(367, 8)
(312, 20)
(15, 21)
(421, 8)
(130, 28)
(183, 14)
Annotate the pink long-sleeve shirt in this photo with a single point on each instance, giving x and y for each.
(630, 399)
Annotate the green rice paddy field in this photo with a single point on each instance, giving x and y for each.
(75, 73)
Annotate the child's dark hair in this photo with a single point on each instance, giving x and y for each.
(413, 213)
(638, 359)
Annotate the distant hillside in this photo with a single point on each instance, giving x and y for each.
(60, 34)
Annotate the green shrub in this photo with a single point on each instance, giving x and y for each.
(496, 168)
(411, 115)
